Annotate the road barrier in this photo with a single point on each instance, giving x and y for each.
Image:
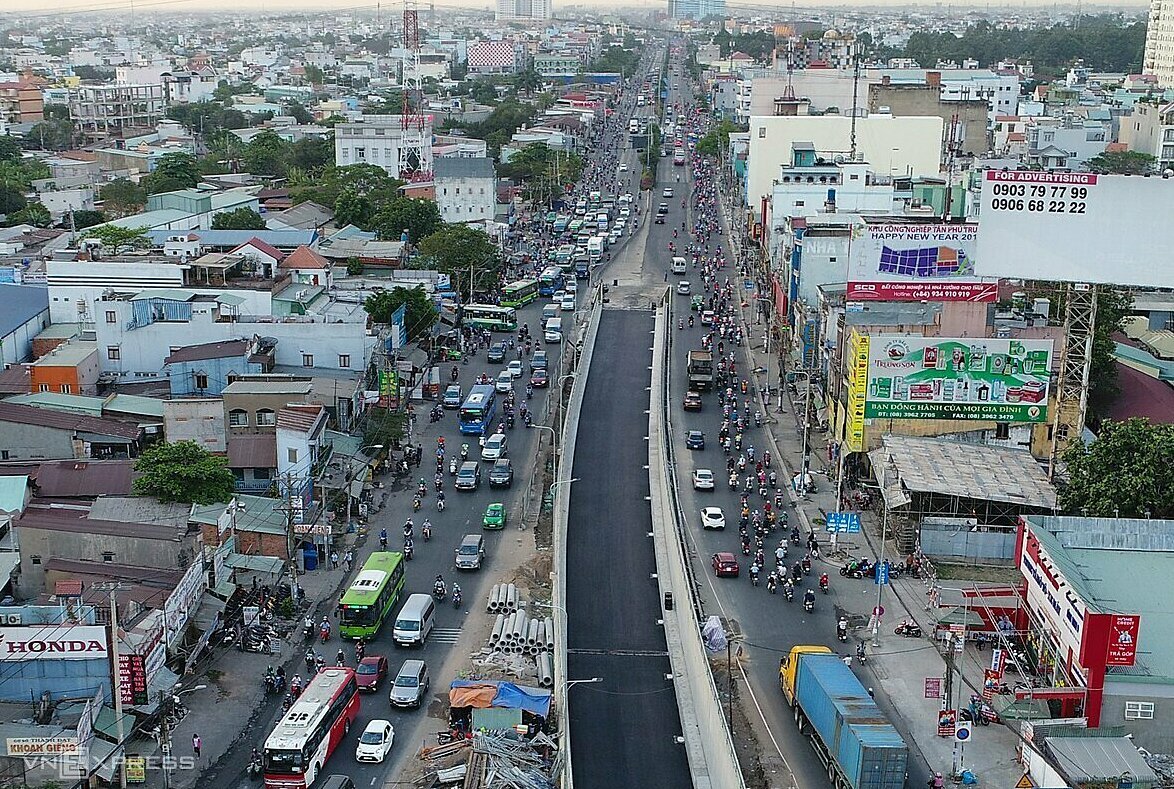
(713, 762)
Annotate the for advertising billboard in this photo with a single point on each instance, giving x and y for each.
(53, 642)
(918, 260)
(1075, 227)
(957, 378)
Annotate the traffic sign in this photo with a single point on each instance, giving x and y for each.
(1025, 782)
(962, 732)
(843, 523)
(882, 573)
(878, 610)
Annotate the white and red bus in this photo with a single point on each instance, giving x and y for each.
(315, 725)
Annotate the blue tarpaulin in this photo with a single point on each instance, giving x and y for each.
(476, 693)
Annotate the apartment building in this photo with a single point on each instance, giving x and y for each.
(465, 189)
(1158, 58)
(383, 141)
(102, 110)
(21, 102)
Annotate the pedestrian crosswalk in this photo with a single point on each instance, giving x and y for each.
(445, 635)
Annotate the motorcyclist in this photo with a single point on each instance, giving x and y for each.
(823, 582)
(809, 598)
(439, 588)
(383, 539)
(842, 629)
(426, 530)
(409, 529)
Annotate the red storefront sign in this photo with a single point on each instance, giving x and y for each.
(132, 679)
(1122, 649)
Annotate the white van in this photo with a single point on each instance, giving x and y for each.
(679, 266)
(414, 621)
(553, 331)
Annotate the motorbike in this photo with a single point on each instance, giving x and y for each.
(842, 633)
(409, 551)
(855, 569)
(789, 592)
(308, 631)
(324, 633)
(457, 598)
(823, 583)
(908, 629)
(427, 532)
(809, 604)
(439, 591)
(253, 769)
(861, 654)
(416, 504)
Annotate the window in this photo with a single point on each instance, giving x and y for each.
(360, 153)
(1139, 710)
(267, 417)
(67, 389)
(307, 360)
(201, 381)
(111, 316)
(292, 454)
(108, 556)
(3, 454)
(344, 360)
(762, 132)
(43, 388)
(113, 353)
(238, 417)
(261, 474)
(35, 559)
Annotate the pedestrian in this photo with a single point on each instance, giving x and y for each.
(196, 744)
(350, 560)
(334, 560)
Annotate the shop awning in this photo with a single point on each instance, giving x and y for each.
(207, 614)
(1010, 708)
(99, 754)
(960, 615)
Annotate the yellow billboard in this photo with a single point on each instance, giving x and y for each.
(857, 362)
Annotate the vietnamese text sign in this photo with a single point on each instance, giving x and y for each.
(915, 261)
(947, 720)
(857, 386)
(132, 679)
(1075, 227)
(47, 642)
(1123, 640)
(963, 378)
(43, 746)
(933, 687)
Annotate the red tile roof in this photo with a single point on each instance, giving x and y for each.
(262, 246)
(1142, 395)
(299, 417)
(305, 258)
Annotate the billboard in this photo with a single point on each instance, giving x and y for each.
(957, 378)
(894, 260)
(1075, 227)
(48, 642)
(1123, 640)
(857, 386)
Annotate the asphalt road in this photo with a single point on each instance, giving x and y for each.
(622, 728)
(461, 516)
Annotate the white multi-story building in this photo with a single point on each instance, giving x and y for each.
(523, 9)
(466, 189)
(381, 140)
(1159, 42)
(1150, 129)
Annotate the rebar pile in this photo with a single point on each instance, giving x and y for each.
(500, 760)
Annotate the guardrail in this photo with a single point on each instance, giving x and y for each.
(562, 495)
(713, 762)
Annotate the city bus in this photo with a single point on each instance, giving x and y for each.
(300, 744)
(371, 596)
(520, 293)
(490, 316)
(549, 281)
(479, 411)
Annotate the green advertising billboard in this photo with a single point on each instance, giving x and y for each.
(957, 378)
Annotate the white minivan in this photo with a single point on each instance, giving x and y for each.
(414, 621)
(553, 331)
(679, 266)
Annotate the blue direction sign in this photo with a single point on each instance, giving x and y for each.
(843, 523)
(882, 573)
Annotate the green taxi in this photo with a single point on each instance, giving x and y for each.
(494, 516)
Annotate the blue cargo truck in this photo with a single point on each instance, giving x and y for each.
(853, 738)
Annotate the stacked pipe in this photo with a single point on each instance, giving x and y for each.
(503, 598)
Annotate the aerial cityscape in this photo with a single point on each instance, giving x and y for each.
(522, 395)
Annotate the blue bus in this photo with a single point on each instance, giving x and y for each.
(479, 411)
(549, 281)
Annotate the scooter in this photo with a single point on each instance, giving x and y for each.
(908, 629)
(457, 598)
(253, 770)
(861, 654)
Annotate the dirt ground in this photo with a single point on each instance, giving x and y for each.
(745, 742)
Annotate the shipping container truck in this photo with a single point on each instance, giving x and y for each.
(700, 369)
(855, 741)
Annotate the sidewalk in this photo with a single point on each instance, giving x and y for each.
(233, 710)
(900, 665)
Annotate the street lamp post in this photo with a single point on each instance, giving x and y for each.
(553, 447)
(806, 428)
(572, 682)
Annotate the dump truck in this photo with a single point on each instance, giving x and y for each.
(855, 741)
(700, 369)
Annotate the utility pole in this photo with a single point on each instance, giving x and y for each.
(289, 536)
(165, 737)
(117, 676)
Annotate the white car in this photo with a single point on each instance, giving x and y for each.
(668, 192)
(557, 296)
(568, 303)
(614, 236)
(683, 287)
(515, 369)
(505, 382)
(624, 167)
(702, 479)
(626, 198)
(625, 211)
(375, 742)
(712, 518)
(494, 447)
(620, 224)
(572, 287)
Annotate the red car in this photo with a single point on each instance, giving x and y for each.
(372, 669)
(692, 401)
(538, 378)
(725, 564)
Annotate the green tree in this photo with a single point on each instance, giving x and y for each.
(117, 239)
(12, 199)
(123, 196)
(362, 179)
(311, 155)
(267, 154)
(717, 140)
(10, 150)
(1113, 307)
(173, 171)
(421, 218)
(33, 214)
(183, 472)
(1122, 163)
(419, 315)
(314, 75)
(299, 112)
(528, 81)
(352, 209)
(1127, 472)
(458, 249)
(84, 219)
(54, 135)
(243, 218)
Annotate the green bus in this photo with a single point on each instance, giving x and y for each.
(520, 293)
(371, 596)
(490, 316)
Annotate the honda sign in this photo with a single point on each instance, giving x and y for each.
(59, 642)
